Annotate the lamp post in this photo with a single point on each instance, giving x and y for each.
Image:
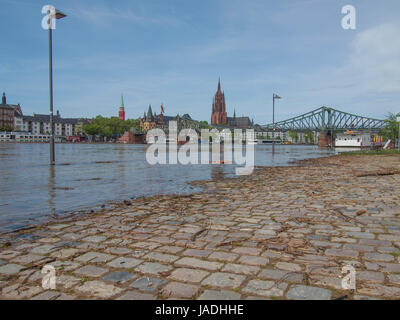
(55, 15)
(398, 120)
(274, 96)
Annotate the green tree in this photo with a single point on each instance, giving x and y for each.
(132, 123)
(204, 125)
(309, 136)
(5, 128)
(391, 130)
(109, 127)
(92, 129)
(293, 135)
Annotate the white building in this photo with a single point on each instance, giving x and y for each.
(40, 124)
(267, 135)
(20, 136)
(353, 139)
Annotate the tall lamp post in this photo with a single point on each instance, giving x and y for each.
(274, 96)
(398, 120)
(56, 15)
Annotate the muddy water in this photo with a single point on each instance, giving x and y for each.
(87, 175)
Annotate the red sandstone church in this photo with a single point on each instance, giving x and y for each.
(219, 115)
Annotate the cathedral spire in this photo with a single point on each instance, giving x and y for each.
(150, 116)
(219, 115)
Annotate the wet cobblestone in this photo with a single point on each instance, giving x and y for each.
(281, 233)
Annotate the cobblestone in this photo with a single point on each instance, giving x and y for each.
(153, 268)
(136, 295)
(99, 289)
(197, 263)
(11, 268)
(378, 257)
(240, 268)
(179, 290)
(126, 263)
(119, 277)
(300, 292)
(188, 275)
(224, 280)
(292, 244)
(265, 288)
(219, 295)
(91, 271)
(94, 257)
(280, 274)
(147, 283)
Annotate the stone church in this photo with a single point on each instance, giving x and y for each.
(219, 115)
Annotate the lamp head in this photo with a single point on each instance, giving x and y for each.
(60, 15)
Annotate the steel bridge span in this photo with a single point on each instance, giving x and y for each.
(325, 119)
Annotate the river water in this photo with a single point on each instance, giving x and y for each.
(88, 175)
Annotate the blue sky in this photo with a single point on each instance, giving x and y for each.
(174, 51)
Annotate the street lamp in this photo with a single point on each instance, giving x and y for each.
(53, 15)
(274, 96)
(398, 120)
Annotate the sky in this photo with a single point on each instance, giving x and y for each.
(174, 51)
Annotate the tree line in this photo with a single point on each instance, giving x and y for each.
(110, 127)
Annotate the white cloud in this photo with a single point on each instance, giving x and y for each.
(375, 56)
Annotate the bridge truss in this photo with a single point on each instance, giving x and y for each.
(325, 119)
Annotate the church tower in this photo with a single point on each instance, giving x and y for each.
(219, 115)
(121, 113)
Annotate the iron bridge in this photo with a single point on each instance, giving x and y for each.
(326, 119)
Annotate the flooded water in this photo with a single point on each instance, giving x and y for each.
(87, 175)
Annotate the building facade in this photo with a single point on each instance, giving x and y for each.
(8, 114)
(151, 120)
(40, 124)
(219, 114)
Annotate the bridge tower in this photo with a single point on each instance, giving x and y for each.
(325, 137)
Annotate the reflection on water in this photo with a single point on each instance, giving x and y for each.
(91, 174)
(51, 186)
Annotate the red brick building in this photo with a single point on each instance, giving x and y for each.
(130, 137)
(219, 115)
(8, 113)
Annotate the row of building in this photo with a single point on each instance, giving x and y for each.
(12, 119)
(219, 118)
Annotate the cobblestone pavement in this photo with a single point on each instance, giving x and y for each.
(281, 233)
